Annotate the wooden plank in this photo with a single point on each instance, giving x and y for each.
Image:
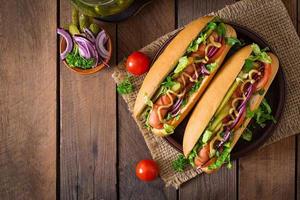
(221, 185)
(297, 183)
(153, 21)
(270, 173)
(28, 100)
(88, 130)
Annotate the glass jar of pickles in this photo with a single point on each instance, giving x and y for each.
(101, 8)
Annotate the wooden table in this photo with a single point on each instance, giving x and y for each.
(71, 136)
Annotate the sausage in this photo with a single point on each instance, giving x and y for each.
(203, 156)
(165, 100)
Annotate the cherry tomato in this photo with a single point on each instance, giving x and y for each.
(137, 63)
(146, 170)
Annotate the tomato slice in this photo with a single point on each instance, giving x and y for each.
(219, 52)
(240, 122)
(266, 75)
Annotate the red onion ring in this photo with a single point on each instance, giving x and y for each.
(89, 35)
(101, 40)
(213, 50)
(86, 48)
(175, 108)
(204, 71)
(248, 95)
(68, 40)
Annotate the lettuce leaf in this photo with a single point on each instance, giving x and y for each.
(259, 54)
(223, 157)
(247, 135)
(182, 63)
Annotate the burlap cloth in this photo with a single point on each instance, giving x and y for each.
(270, 19)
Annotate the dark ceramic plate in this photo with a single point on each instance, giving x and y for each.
(133, 9)
(275, 96)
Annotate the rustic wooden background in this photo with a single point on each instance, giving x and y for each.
(70, 136)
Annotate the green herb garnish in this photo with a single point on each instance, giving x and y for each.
(248, 66)
(75, 60)
(260, 54)
(262, 114)
(211, 66)
(125, 87)
(247, 135)
(195, 88)
(184, 102)
(169, 83)
(261, 92)
(168, 129)
(223, 157)
(180, 163)
(221, 29)
(231, 41)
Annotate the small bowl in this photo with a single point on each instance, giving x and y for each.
(99, 67)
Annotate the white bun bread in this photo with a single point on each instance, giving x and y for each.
(212, 98)
(169, 59)
(255, 102)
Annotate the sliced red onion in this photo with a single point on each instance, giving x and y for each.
(237, 119)
(213, 50)
(228, 130)
(248, 95)
(101, 40)
(86, 48)
(68, 40)
(204, 71)
(175, 114)
(89, 35)
(225, 138)
(175, 108)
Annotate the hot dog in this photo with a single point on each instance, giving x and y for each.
(181, 73)
(220, 117)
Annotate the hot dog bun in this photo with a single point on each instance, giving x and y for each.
(212, 98)
(166, 63)
(255, 102)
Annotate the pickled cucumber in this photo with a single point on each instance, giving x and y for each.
(95, 28)
(75, 16)
(83, 22)
(73, 29)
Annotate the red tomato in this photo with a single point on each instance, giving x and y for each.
(219, 52)
(146, 170)
(263, 81)
(137, 63)
(241, 121)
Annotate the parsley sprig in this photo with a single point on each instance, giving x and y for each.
(125, 87)
(180, 163)
(75, 60)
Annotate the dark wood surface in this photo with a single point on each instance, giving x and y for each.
(71, 136)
